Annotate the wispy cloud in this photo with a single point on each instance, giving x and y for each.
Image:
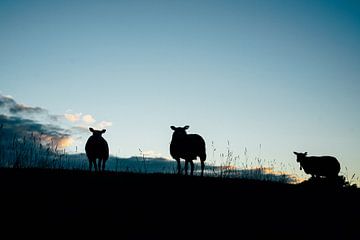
(20, 108)
(104, 124)
(84, 121)
(6, 101)
(8, 104)
(151, 154)
(15, 127)
(72, 117)
(80, 129)
(87, 118)
(19, 120)
(61, 130)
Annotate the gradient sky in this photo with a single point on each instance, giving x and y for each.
(283, 74)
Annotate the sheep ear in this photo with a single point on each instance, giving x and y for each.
(103, 131)
(305, 153)
(186, 127)
(173, 128)
(296, 153)
(91, 129)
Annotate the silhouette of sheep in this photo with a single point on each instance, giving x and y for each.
(97, 148)
(318, 166)
(187, 147)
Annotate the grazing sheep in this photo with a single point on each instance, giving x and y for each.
(326, 166)
(187, 147)
(97, 148)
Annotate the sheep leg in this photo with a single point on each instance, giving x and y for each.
(91, 161)
(202, 168)
(192, 167)
(186, 166)
(178, 166)
(90, 165)
(99, 164)
(103, 165)
(95, 165)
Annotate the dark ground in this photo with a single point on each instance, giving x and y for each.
(49, 203)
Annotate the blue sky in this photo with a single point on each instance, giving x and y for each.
(283, 74)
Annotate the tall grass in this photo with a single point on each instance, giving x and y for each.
(231, 165)
(29, 151)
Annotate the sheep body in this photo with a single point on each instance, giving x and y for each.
(97, 148)
(188, 147)
(317, 166)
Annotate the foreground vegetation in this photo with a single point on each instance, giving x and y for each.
(47, 190)
(31, 152)
(134, 205)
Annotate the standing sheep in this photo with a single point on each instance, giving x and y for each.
(326, 166)
(187, 147)
(97, 148)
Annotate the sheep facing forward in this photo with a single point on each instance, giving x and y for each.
(187, 147)
(97, 148)
(318, 166)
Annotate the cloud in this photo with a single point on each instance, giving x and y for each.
(88, 119)
(151, 154)
(61, 130)
(80, 129)
(6, 101)
(64, 142)
(20, 108)
(19, 120)
(8, 104)
(84, 121)
(105, 124)
(18, 127)
(72, 117)
(56, 118)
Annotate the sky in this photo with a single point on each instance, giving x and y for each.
(261, 78)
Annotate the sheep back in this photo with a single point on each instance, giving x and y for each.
(97, 147)
(326, 166)
(189, 147)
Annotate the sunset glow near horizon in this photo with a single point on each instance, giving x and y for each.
(271, 77)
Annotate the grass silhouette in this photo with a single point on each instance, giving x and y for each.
(31, 152)
(162, 206)
(45, 189)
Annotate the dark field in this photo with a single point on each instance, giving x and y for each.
(49, 203)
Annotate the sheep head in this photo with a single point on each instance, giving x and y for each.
(300, 157)
(97, 133)
(179, 131)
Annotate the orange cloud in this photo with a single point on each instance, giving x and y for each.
(88, 118)
(65, 142)
(104, 124)
(72, 117)
(59, 142)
